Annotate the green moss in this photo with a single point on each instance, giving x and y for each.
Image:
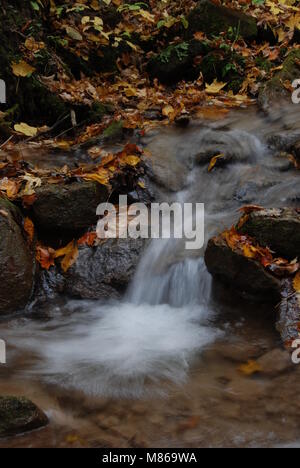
(114, 131)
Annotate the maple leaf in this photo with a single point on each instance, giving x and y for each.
(69, 254)
(215, 87)
(22, 69)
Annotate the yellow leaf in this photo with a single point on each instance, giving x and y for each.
(22, 68)
(215, 87)
(296, 282)
(70, 254)
(168, 111)
(26, 129)
(132, 160)
(214, 160)
(252, 367)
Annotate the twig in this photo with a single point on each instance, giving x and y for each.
(7, 141)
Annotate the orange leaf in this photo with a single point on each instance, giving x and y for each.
(88, 239)
(45, 256)
(252, 367)
(69, 254)
(29, 229)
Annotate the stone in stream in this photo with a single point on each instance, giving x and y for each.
(244, 275)
(19, 415)
(289, 313)
(213, 19)
(275, 362)
(68, 207)
(278, 229)
(104, 271)
(16, 260)
(274, 92)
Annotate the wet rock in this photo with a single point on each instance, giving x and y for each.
(18, 415)
(104, 271)
(214, 19)
(289, 313)
(283, 141)
(246, 276)
(238, 352)
(177, 62)
(278, 229)
(69, 207)
(296, 151)
(274, 92)
(49, 285)
(16, 260)
(275, 362)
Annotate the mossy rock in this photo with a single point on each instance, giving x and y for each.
(176, 62)
(215, 19)
(274, 92)
(19, 415)
(225, 66)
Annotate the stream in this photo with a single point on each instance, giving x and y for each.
(161, 367)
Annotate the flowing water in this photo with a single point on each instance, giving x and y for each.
(160, 368)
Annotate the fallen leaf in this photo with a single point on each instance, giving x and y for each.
(26, 129)
(214, 161)
(22, 69)
(29, 229)
(215, 87)
(45, 256)
(88, 239)
(252, 367)
(69, 254)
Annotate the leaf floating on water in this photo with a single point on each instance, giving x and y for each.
(214, 161)
(252, 367)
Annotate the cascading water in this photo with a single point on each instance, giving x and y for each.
(133, 347)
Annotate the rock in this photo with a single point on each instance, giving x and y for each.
(104, 271)
(275, 362)
(177, 62)
(246, 276)
(18, 415)
(214, 19)
(49, 285)
(296, 151)
(273, 92)
(278, 229)
(69, 207)
(16, 261)
(289, 313)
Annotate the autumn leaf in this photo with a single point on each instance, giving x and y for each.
(22, 69)
(88, 239)
(296, 282)
(252, 367)
(69, 254)
(215, 87)
(45, 256)
(214, 161)
(26, 129)
(29, 229)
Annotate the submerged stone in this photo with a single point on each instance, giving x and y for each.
(18, 415)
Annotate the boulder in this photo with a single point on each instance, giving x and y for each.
(104, 271)
(245, 275)
(69, 207)
(19, 415)
(176, 62)
(16, 260)
(274, 92)
(275, 362)
(278, 229)
(289, 313)
(214, 19)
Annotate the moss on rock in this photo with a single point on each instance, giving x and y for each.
(18, 415)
